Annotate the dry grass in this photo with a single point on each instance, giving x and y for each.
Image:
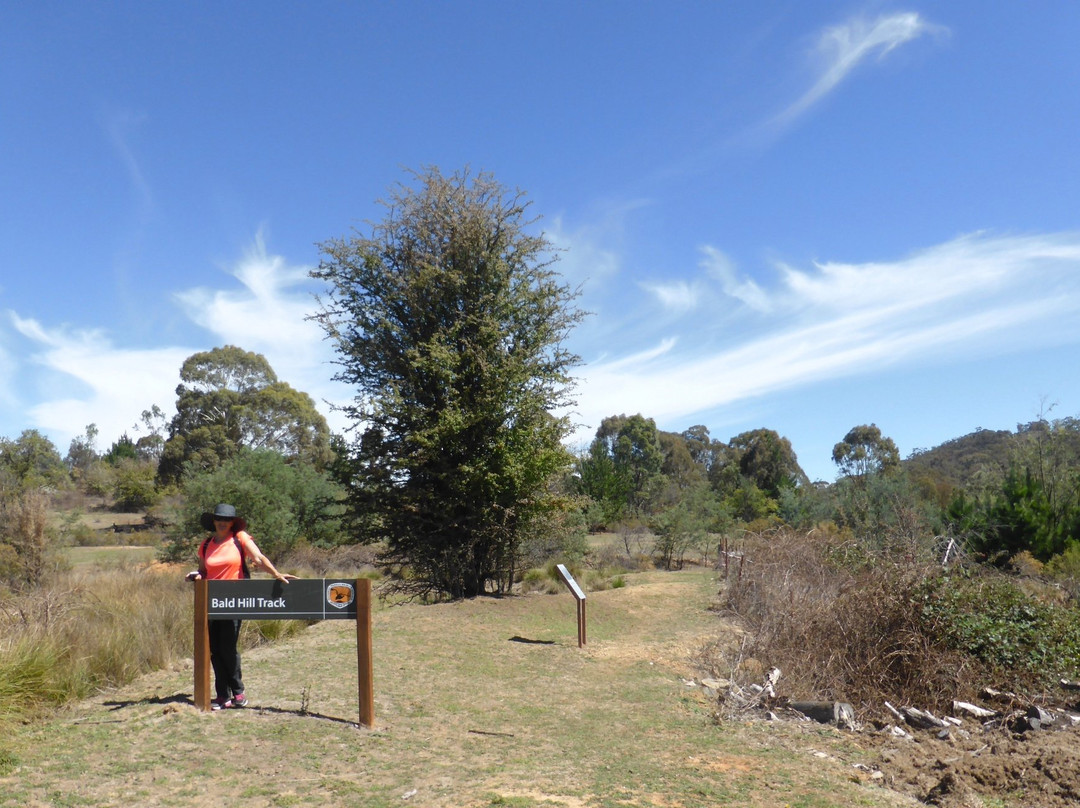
(839, 631)
(486, 702)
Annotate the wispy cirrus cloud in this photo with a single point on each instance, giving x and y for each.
(94, 381)
(88, 378)
(268, 311)
(677, 297)
(268, 314)
(718, 266)
(977, 295)
(841, 49)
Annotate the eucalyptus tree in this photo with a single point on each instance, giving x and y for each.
(229, 399)
(864, 451)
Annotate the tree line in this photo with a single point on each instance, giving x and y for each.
(450, 324)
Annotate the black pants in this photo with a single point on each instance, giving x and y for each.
(225, 659)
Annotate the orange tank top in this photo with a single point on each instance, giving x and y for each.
(222, 560)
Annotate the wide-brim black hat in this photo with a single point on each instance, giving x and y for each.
(222, 511)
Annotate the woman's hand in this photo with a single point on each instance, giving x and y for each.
(193, 576)
(285, 577)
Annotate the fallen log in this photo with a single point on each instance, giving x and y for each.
(990, 694)
(973, 710)
(921, 718)
(839, 713)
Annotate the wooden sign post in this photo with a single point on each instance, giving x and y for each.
(300, 599)
(579, 596)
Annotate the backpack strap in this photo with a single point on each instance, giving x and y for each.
(244, 571)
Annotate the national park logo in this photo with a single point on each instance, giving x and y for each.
(340, 594)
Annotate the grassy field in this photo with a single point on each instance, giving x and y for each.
(107, 556)
(488, 702)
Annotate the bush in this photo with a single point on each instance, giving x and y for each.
(352, 560)
(86, 631)
(844, 624)
(991, 618)
(282, 503)
(96, 629)
(838, 632)
(541, 579)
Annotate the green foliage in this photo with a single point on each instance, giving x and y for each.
(99, 480)
(748, 503)
(81, 452)
(995, 621)
(135, 486)
(122, 449)
(965, 461)
(865, 451)
(623, 468)
(31, 461)
(449, 320)
(886, 511)
(1066, 564)
(686, 526)
(1034, 505)
(281, 502)
(556, 532)
(767, 459)
(230, 399)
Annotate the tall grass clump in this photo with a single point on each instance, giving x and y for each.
(88, 630)
(95, 628)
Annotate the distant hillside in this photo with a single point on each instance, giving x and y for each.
(960, 460)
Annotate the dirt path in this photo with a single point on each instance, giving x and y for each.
(481, 703)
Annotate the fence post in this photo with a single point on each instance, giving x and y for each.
(364, 677)
(202, 646)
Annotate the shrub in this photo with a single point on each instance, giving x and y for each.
(845, 624)
(541, 579)
(89, 630)
(351, 560)
(849, 633)
(283, 504)
(82, 535)
(991, 618)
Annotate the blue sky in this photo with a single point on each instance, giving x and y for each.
(799, 216)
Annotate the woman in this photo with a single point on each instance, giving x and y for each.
(223, 556)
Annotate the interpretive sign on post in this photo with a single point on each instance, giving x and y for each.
(300, 599)
(579, 596)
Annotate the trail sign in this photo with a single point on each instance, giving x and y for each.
(579, 596)
(300, 599)
(269, 599)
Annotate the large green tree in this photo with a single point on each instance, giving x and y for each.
(767, 458)
(229, 399)
(449, 320)
(864, 451)
(624, 465)
(31, 461)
